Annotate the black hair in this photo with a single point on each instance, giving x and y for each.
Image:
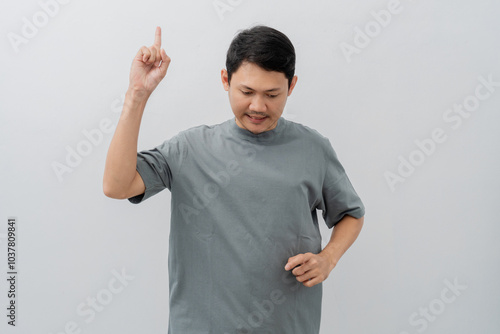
(265, 47)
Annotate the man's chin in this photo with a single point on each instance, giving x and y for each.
(255, 127)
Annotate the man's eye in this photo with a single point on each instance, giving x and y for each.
(246, 93)
(272, 96)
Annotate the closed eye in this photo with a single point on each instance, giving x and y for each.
(245, 92)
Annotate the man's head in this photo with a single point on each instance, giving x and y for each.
(259, 76)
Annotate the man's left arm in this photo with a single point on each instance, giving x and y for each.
(311, 269)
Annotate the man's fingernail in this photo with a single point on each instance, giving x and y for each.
(287, 267)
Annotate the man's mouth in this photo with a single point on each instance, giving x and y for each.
(257, 117)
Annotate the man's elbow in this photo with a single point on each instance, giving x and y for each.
(112, 191)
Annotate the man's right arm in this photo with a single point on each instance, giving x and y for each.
(121, 179)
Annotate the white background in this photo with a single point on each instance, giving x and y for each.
(437, 226)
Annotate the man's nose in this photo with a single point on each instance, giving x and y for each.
(258, 104)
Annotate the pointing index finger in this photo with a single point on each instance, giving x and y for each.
(158, 37)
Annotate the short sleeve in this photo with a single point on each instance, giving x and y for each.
(157, 167)
(338, 195)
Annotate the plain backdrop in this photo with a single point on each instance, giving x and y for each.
(378, 78)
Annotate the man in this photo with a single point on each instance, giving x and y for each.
(245, 247)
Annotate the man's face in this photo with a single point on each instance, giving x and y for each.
(257, 96)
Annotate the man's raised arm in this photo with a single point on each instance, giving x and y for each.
(121, 179)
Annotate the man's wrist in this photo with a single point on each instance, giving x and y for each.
(329, 254)
(137, 96)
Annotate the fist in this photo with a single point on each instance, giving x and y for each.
(309, 269)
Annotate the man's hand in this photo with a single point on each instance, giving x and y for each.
(149, 67)
(310, 269)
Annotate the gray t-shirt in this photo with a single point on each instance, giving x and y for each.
(241, 205)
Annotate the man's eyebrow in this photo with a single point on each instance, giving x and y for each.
(269, 90)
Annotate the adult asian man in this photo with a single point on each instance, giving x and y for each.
(245, 248)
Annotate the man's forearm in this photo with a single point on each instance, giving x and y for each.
(343, 236)
(121, 160)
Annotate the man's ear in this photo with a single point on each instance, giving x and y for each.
(292, 85)
(225, 79)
